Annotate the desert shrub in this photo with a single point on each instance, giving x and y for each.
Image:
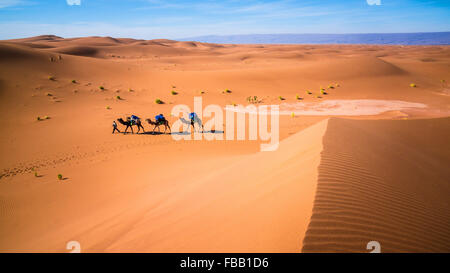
(101, 87)
(228, 91)
(60, 177)
(74, 81)
(297, 97)
(118, 97)
(413, 85)
(48, 94)
(293, 114)
(52, 78)
(36, 174)
(108, 108)
(158, 101)
(38, 119)
(174, 92)
(308, 92)
(253, 99)
(281, 98)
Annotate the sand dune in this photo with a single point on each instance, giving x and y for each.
(147, 192)
(235, 207)
(385, 181)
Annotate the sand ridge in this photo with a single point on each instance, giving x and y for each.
(375, 184)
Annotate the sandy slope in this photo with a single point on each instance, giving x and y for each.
(260, 202)
(136, 192)
(386, 181)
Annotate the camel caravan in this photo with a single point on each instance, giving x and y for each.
(160, 120)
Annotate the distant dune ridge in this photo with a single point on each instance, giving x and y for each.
(333, 185)
(430, 38)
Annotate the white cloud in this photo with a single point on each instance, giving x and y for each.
(10, 3)
(73, 2)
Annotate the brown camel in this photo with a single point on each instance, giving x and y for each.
(128, 123)
(164, 122)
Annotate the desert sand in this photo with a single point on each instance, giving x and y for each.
(366, 161)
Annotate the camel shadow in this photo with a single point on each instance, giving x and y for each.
(204, 132)
(154, 133)
(213, 132)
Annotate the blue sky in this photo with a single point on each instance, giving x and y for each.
(149, 19)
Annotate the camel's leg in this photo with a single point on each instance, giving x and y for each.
(154, 129)
(126, 129)
(170, 130)
(131, 127)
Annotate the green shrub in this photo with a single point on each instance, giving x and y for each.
(158, 101)
(60, 177)
(174, 92)
(52, 78)
(101, 87)
(281, 98)
(253, 99)
(74, 81)
(228, 91)
(118, 97)
(308, 92)
(413, 85)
